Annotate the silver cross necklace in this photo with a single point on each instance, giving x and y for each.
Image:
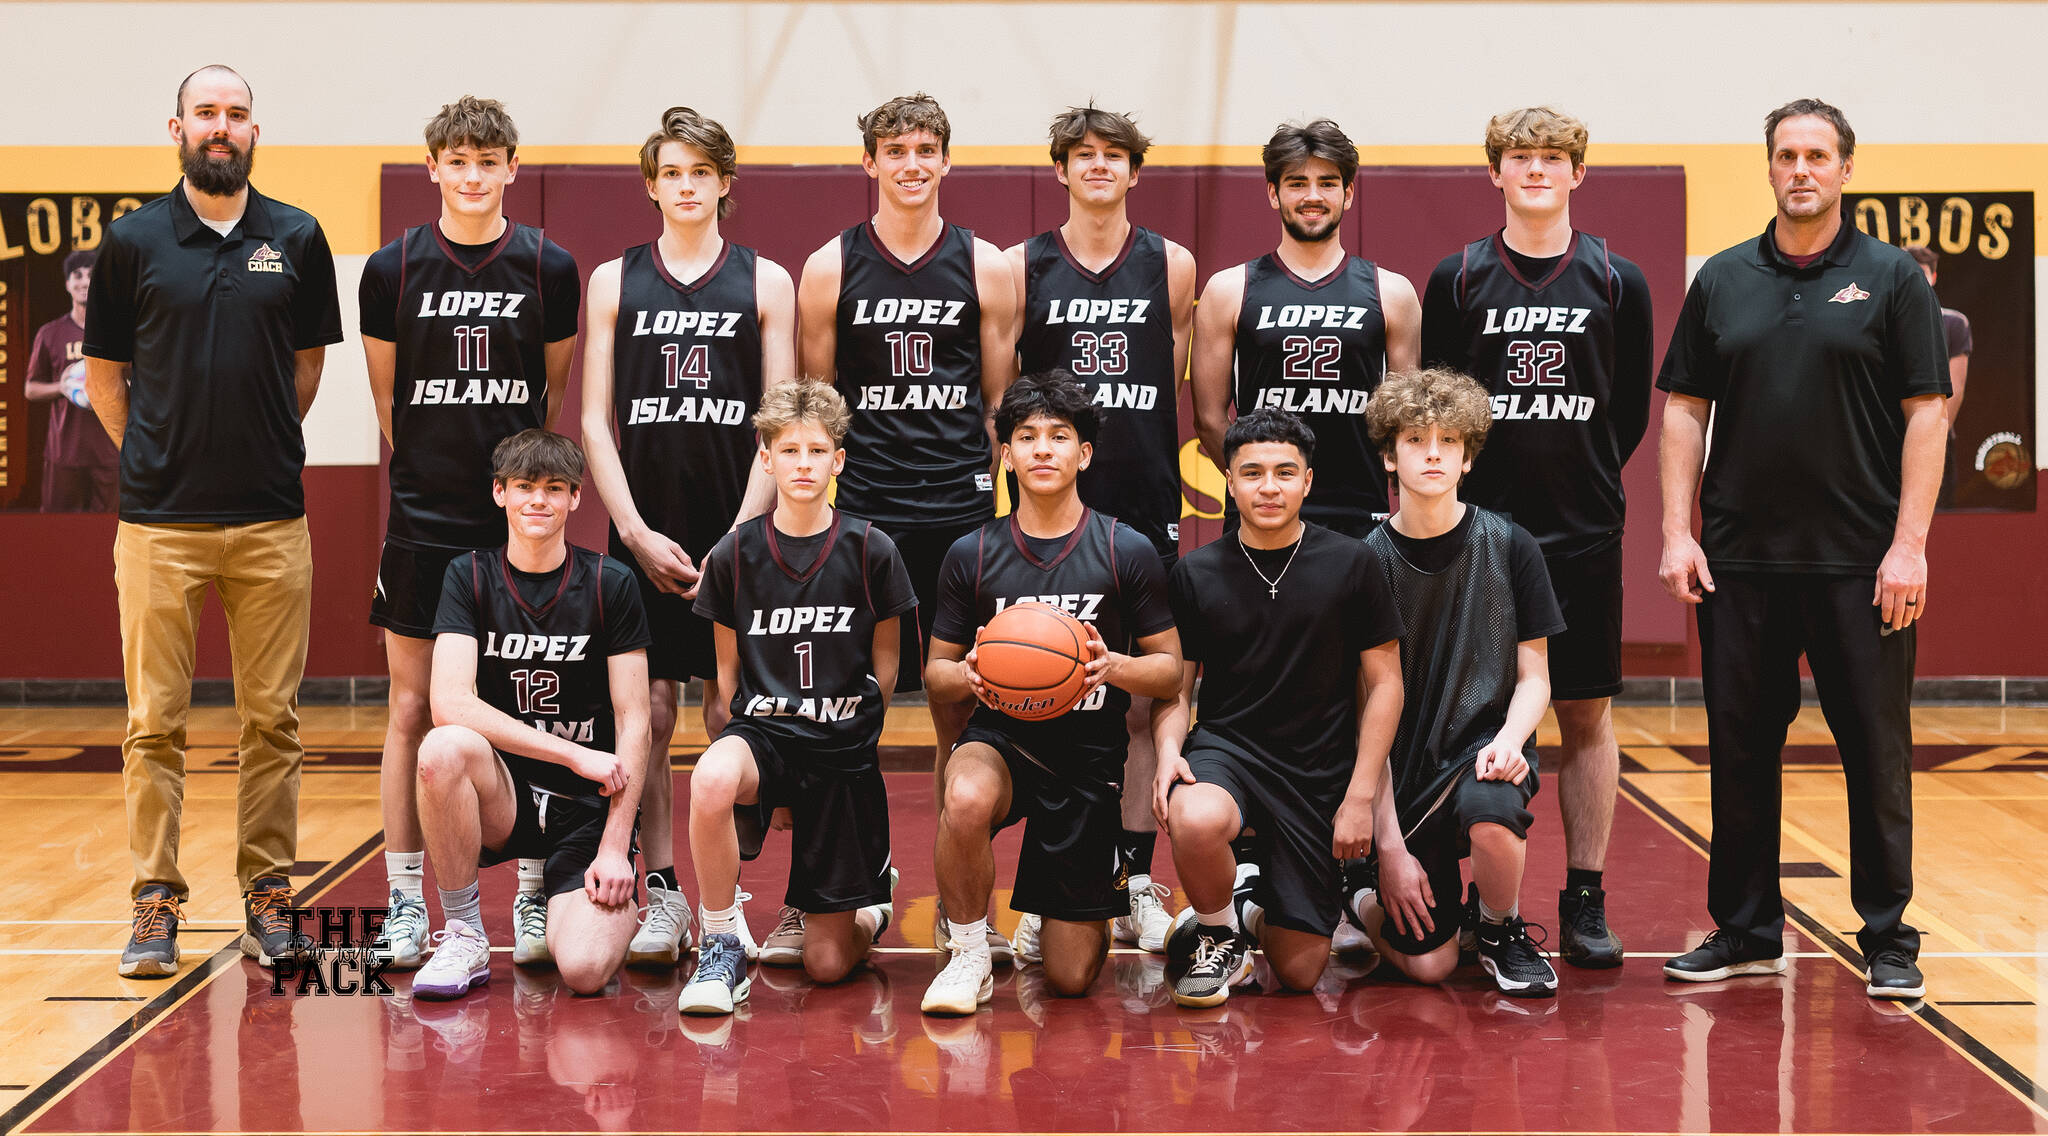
(1273, 583)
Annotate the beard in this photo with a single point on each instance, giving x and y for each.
(216, 177)
(1300, 232)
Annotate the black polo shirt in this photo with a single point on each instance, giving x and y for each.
(210, 325)
(1807, 368)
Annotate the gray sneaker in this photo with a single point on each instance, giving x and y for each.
(720, 983)
(152, 950)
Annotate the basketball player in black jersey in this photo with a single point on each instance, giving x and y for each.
(685, 332)
(469, 327)
(1112, 304)
(1290, 627)
(1558, 329)
(1476, 609)
(540, 683)
(1308, 328)
(1060, 775)
(804, 603)
(914, 321)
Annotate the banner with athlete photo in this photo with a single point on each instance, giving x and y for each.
(1983, 262)
(53, 455)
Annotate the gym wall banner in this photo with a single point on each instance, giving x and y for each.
(37, 232)
(1985, 245)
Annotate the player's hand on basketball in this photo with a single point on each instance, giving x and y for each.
(1501, 761)
(1354, 829)
(664, 562)
(609, 880)
(973, 676)
(1901, 596)
(1171, 769)
(604, 768)
(780, 820)
(1405, 894)
(1099, 662)
(1684, 570)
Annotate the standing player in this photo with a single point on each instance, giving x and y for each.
(684, 334)
(1955, 332)
(1061, 774)
(1112, 305)
(1476, 609)
(1295, 637)
(1558, 329)
(1308, 328)
(469, 327)
(81, 468)
(540, 679)
(804, 604)
(915, 321)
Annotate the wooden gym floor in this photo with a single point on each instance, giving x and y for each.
(213, 1050)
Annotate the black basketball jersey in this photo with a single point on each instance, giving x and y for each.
(546, 664)
(1113, 331)
(1319, 351)
(805, 629)
(1117, 585)
(686, 380)
(1545, 349)
(471, 371)
(909, 364)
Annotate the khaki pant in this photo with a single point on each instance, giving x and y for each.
(264, 575)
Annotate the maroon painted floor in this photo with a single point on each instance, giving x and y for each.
(1619, 1051)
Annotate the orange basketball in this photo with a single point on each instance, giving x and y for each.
(1031, 657)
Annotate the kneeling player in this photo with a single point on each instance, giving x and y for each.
(1477, 605)
(1292, 631)
(540, 689)
(804, 604)
(1062, 775)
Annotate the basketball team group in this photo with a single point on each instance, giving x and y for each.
(1327, 712)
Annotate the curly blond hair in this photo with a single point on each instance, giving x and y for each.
(1535, 128)
(805, 400)
(1439, 395)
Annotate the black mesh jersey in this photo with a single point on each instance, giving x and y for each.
(1567, 409)
(1462, 623)
(1113, 331)
(909, 364)
(544, 642)
(804, 610)
(1104, 573)
(1319, 351)
(686, 380)
(471, 371)
(1279, 644)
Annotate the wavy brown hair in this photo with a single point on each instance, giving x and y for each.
(805, 400)
(470, 121)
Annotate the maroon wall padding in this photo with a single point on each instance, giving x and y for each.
(60, 620)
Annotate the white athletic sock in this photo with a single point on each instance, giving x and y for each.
(1357, 900)
(465, 904)
(1224, 918)
(532, 876)
(1489, 915)
(725, 922)
(970, 936)
(407, 873)
(1254, 918)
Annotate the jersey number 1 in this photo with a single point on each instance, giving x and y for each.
(692, 367)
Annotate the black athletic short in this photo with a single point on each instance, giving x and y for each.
(924, 553)
(1444, 838)
(1070, 866)
(565, 831)
(408, 588)
(1585, 658)
(1295, 822)
(683, 647)
(839, 824)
